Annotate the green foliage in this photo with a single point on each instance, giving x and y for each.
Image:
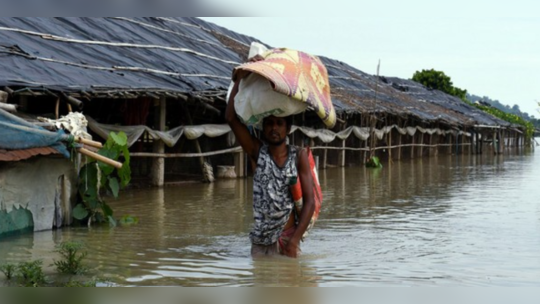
(31, 273)
(505, 108)
(8, 270)
(374, 162)
(96, 177)
(127, 220)
(71, 262)
(437, 80)
(512, 118)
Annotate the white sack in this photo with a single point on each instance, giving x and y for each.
(256, 100)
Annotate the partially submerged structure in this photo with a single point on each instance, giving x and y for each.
(37, 178)
(164, 82)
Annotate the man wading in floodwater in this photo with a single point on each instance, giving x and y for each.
(277, 228)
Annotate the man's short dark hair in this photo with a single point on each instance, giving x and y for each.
(288, 121)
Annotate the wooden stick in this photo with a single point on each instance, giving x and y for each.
(179, 155)
(100, 158)
(89, 142)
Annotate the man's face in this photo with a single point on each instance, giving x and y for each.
(275, 130)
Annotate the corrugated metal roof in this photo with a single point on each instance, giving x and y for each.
(115, 57)
(16, 155)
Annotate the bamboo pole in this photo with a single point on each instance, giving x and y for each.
(482, 143)
(325, 157)
(342, 154)
(476, 140)
(450, 143)
(158, 164)
(422, 135)
(88, 142)
(57, 109)
(399, 143)
(463, 142)
(390, 144)
(100, 158)
(196, 141)
(501, 141)
(412, 146)
(373, 121)
(73, 101)
(494, 143)
(188, 155)
(471, 140)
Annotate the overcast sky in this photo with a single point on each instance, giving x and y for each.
(488, 48)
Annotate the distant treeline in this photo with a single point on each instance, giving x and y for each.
(505, 108)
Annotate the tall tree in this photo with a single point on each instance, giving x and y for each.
(439, 81)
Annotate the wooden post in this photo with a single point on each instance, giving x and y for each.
(399, 146)
(342, 154)
(325, 157)
(239, 164)
(430, 145)
(476, 142)
(360, 153)
(422, 135)
(413, 146)
(372, 136)
(493, 142)
(482, 143)
(449, 143)
(389, 146)
(471, 141)
(501, 141)
(364, 154)
(463, 142)
(198, 148)
(157, 173)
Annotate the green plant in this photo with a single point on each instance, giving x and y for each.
(511, 118)
(96, 177)
(374, 162)
(439, 81)
(127, 220)
(31, 273)
(71, 262)
(8, 270)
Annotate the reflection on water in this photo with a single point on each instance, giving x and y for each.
(450, 221)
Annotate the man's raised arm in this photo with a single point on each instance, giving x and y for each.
(249, 143)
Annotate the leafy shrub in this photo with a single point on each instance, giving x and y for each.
(8, 270)
(31, 273)
(96, 177)
(374, 162)
(71, 262)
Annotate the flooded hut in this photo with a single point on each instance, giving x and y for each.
(163, 81)
(37, 178)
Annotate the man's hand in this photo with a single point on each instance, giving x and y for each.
(291, 249)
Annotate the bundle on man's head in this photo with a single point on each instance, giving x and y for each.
(283, 83)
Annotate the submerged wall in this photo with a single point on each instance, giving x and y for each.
(43, 187)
